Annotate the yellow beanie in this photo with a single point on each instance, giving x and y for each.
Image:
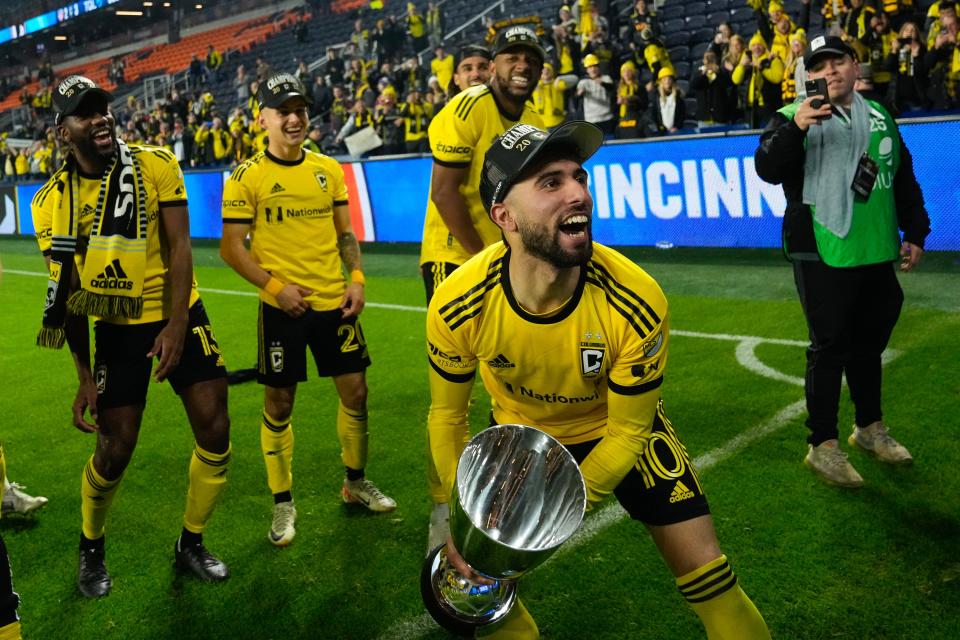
(666, 72)
(627, 65)
(757, 39)
(590, 60)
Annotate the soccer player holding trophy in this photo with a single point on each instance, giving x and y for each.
(572, 338)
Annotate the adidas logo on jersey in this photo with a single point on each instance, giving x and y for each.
(113, 277)
(277, 188)
(501, 362)
(680, 493)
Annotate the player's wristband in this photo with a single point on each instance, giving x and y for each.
(356, 277)
(273, 287)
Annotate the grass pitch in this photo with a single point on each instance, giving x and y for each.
(819, 562)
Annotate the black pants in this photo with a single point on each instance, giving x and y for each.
(8, 598)
(850, 315)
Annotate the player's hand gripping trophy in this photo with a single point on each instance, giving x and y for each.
(518, 496)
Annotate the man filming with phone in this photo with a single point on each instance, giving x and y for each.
(851, 192)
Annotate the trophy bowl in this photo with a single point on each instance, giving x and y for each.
(519, 495)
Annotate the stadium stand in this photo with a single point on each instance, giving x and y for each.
(286, 34)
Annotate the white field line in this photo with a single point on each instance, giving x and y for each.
(613, 512)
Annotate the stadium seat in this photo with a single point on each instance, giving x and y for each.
(714, 19)
(672, 11)
(683, 84)
(673, 26)
(676, 39)
(696, 21)
(702, 35)
(691, 104)
(679, 53)
(695, 8)
(721, 5)
(682, 69)
(696, 53)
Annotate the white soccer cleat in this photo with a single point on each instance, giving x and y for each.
(15, 500)
(282, 530)
(875, 440)
(364, 492)
(439, 526)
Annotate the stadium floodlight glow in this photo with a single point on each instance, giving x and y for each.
(198, 6)
(147, 3)
(123, 12)
(62, 38)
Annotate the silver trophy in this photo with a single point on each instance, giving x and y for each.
(518, 496)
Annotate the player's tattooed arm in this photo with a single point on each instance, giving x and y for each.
(349, 251)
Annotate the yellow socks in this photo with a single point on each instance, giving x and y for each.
(96, 496)
(518, 625)
(724, 609)
(276, 442)
(10, 631)
(208, 479)
(352, 431)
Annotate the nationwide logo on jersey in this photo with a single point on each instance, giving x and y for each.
(591, 361)
(277, 188)
(113, 277)
(322, 179)
(501, 362)
(680, 492)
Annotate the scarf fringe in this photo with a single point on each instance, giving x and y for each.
(86, 303)
(51, 337)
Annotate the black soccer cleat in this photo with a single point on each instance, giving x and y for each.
(92, 578)
(196, 560)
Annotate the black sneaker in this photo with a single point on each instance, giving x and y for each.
(195, 559)
(93, 579)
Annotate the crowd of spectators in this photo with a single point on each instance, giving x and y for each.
(611, 67)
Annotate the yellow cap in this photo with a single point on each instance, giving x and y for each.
(590, 60)
(757, 39)
(627, 65)
(775, 5)
(548, 65)
(666, 72)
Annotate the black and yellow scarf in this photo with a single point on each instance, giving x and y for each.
(111, 282)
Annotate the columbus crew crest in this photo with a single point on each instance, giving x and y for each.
(322, 179)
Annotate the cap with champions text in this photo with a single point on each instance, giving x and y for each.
(278, 88)
(517, 149)
(71, 91)
(518, 36)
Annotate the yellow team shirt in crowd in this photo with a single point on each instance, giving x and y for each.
(289, 205)
(163, 183)
(443, 68)
(595, 373)
(460, 135)
(548, 101)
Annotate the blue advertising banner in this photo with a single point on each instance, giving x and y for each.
(398, 197)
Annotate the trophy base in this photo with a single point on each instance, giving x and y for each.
(459, 605)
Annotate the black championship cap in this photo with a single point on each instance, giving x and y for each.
(70, 93)
(279, 88)
(516, 150)
(826, 47)
(472, 51)
(518, 36)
